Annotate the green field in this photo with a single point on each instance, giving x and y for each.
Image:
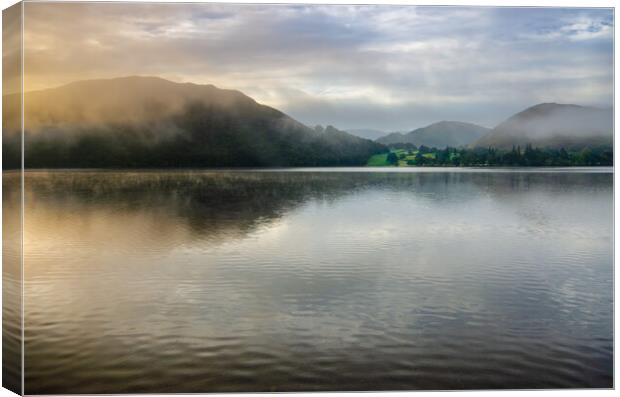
(380, 160)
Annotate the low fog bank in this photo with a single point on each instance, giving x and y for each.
(151, 122)
(553, 125)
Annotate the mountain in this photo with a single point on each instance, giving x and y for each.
(366, 133)
(439, 135)
(152, 122)
(553, 125)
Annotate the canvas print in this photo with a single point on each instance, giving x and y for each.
(219, 197)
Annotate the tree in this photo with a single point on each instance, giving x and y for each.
(392, 158)
(424, 149)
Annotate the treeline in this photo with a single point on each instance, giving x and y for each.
(516, 157)
(200, 137)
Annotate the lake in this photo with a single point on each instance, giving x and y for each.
(317, 279)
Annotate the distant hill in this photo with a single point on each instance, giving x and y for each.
(553, 125)
(366, 133)
(439, 135)
(152, 122)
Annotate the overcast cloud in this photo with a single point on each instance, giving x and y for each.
(385, 67)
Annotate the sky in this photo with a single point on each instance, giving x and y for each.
(392, 68)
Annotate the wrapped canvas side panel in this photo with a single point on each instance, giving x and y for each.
(12, 183)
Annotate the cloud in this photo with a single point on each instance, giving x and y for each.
(385, 67)
(576, 29)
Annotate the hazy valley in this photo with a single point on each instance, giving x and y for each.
(151, 122)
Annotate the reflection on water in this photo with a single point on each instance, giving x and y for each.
(11, 282)
(288, 280)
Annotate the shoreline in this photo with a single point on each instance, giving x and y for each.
(361, 169)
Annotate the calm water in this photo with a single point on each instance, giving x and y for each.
(288, 280)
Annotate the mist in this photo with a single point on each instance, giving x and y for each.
(152, 122)
(552, 124)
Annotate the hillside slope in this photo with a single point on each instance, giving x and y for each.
(439, 135)
(152, 122)
(553, 125)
